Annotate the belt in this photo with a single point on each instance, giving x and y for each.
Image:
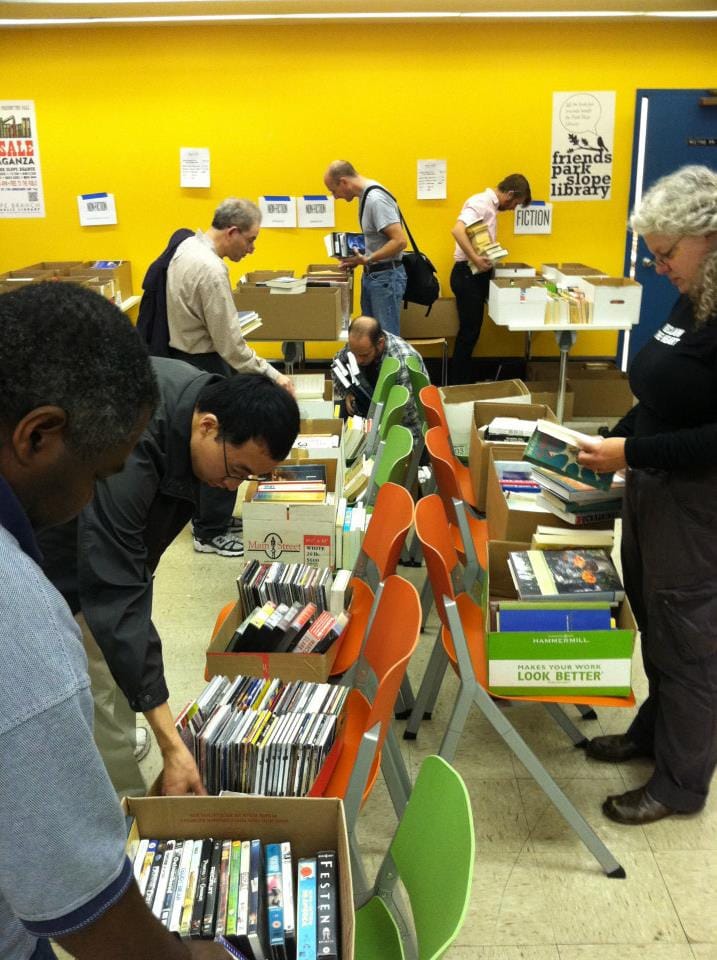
(382, 265)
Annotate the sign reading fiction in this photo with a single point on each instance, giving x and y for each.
(582, 145)
(537, 218)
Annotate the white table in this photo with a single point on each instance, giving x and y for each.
(565, 336)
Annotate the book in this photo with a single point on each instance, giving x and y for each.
(327, 905)
(343, 244)
(583, 517)
(249, 320)
(483, 244)
(357, 477)
(554, 446)
(565, 575)
(509, 430)
(574, 491)
(543, 617)
(286, 285)
(556, 538)
(291, 491)
(308, 386)
(337, 597)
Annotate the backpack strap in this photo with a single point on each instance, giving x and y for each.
(377, 186)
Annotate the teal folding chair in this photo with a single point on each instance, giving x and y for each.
(432, 854)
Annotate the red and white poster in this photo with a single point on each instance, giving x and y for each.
(20, 178)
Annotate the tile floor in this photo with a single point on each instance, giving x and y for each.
(538, 894)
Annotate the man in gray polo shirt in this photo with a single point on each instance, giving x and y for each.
(76, 391)
(384, 277)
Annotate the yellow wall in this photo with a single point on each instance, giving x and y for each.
(275, 104)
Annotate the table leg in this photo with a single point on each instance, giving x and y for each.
(565, 340)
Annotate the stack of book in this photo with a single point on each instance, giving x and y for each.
(482, 243)
(356, 432)
(567, 306)
(356, 479)
(249, 320)
(351, 523)
(342, 244)
(308, 386)
(250, 897)
(282, 628)
(508, 430)
(578, 503)
(565, 575)
(284, 583)
(290, 491)
(558, 538)
(557, 447)
(261, 736)
(286, 285)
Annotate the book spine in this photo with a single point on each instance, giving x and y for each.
(327, 903)
(306, 909)
(275, 908)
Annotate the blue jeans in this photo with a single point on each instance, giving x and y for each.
(381, 296)
(43, 951)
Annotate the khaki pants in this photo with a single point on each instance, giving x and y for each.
(115, 722)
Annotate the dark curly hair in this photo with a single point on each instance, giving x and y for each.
(64, 345)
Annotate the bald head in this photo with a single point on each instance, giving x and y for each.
(366, 340)
(343, 181)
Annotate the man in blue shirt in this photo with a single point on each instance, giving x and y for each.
(76, 391)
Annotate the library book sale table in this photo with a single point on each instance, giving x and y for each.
(565, 336)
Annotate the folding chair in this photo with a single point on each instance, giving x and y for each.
(391, 461)
(394, 409)
(391, 640)
(386, 379)
(419, 380)
(432, 854)
(433, 408)
(463, 643)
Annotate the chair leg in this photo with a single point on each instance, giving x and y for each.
(587, 713)
(426, 602)
(425, 690)
(563, 720)
(563, 805)
(457, 721)
(404, 701)
(395, 774)
(438, 675)
(363, 891)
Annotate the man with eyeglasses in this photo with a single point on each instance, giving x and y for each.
(204, 331)
(207, 430)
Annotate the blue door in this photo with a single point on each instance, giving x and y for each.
(671, 130)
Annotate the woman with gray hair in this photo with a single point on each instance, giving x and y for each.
(668, 443)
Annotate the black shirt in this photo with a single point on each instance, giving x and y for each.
(674, 377)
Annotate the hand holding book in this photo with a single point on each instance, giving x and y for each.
(603, 455)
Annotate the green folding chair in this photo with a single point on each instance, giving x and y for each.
(391, 461)
(386, 379)
(394, 410)
(419, 380)
(432, 854)
(412, 553)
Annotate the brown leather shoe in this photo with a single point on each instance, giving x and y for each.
(613, 748)
(635, 808)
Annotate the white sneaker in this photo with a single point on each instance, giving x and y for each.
(143, 743)
(225, 544)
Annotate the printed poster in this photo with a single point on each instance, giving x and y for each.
(582, 145)
(21, 194)
(431, 179)
(277, 211)
(315, 210)
(194, 167)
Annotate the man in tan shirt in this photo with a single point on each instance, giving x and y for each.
(204, 331)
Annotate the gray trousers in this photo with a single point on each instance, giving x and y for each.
(669, 556)
(115, 727)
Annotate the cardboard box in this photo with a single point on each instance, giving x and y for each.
(309, 824)
(483, 413)
(515, 522)
(54, 267)
(315, 667)
(600, 389)
(615, 300)
(519, 300)
(293, 532)
(566, 274)
(312, 315)
(121, 274)
(259, 276)
(546, 391)
(333, 426)
(587, 663)
(442, 321)
(506, 269)
(14, 279)
(344, 278)
(458, 403)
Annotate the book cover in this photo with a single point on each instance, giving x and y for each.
(557, 448)
(301, 472)
(565, 574)
(171, 888)
(306, 909)
(579, 518)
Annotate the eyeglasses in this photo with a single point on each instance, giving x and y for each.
(660, 259)
(242, 475)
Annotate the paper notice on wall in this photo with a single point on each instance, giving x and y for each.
(277, 211)
(194, 167)
(97, 209)
(582, 145)
(21, 194)
(431, 180)
(315, 210)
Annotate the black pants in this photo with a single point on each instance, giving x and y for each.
(669, 556)
(216, 505)
(471, 292)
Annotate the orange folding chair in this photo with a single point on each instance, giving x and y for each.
(433, 408)
(463, 645)
(381, 666)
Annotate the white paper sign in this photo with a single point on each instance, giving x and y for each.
(431, 180)
(537, 218)
(315, 210)
(194, 167)
(278, 211)
(21, 193)
(96, 209)
(583, 142)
